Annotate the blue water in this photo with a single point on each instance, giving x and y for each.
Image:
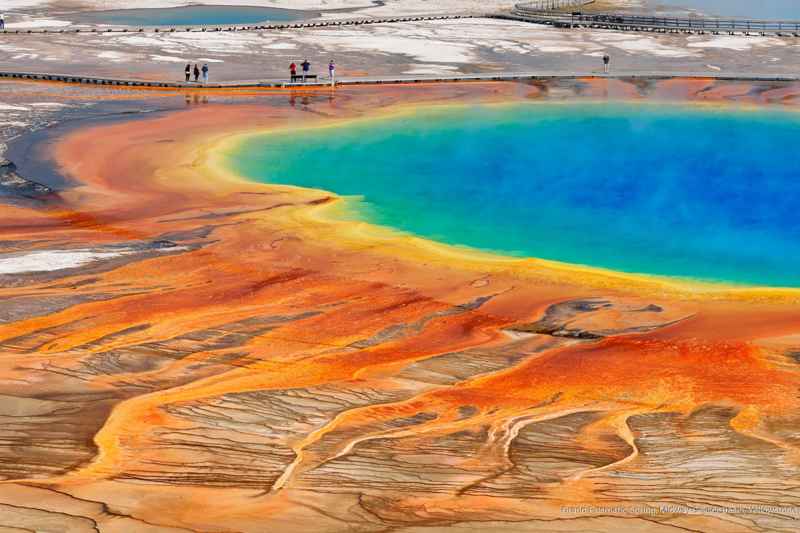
(191, 16)
(672, 190)
(752, 9)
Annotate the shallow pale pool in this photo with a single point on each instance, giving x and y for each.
(751, 9)
(192, 16)
(675, 190)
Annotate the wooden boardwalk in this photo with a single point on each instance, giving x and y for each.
(644, 23)
(332, 23)
(392, 80)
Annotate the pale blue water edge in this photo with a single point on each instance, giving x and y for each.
(751, 9)
(197, 15)
(686, 191)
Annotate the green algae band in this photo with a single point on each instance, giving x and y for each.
(693, 192)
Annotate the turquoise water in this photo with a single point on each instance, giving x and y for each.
(672, 190)
(752, 9)
(192, 16)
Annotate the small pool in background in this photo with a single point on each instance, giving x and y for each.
(687, 191)
(205, 15)
(750, 9)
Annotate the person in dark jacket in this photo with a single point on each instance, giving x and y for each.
(188, 71)
(306, 68)
(196, 72)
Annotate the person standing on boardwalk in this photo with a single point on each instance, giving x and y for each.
(196, 73)
(205, 73)
(293, 71)
(306, 68)
(606, 61)
(188, 71)
(2, 21)
(332, 72)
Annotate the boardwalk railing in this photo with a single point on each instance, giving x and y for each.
(652, 23)
(260, 27)
(399, 79)
(550, 5)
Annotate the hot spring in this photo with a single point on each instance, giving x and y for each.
(675, 190)
(198, 15)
